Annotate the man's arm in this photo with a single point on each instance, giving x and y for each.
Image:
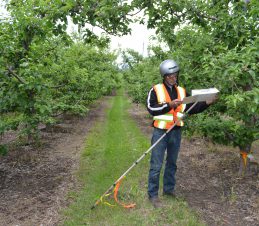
(200, 107)
(153, 107)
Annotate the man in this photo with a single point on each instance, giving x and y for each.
(164, 102)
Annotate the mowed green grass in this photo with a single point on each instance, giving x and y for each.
(111, 148)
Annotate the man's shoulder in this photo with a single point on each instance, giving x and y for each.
(180, 87)
(157, 85)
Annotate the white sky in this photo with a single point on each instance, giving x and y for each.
(138, 40)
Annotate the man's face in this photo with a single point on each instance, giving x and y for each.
(171, 79)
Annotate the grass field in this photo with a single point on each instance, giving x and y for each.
(110, 149)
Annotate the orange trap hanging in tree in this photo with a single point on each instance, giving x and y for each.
(244, 157)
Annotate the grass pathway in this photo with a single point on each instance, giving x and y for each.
(111, 148)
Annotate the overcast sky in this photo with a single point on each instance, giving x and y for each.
(137, 40)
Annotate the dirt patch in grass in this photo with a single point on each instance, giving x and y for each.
(207, 178)
(35, 181)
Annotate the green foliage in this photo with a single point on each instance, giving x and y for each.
(216, 45)
(233, 72)
(3, 150)
(221, 129)
(43, 72)
(228, 21)
(141, 77)
(9, 121)
(41, 15)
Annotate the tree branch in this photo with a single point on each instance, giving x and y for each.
(134, 13)
(200, 15)
(15, 75)
(55, 87)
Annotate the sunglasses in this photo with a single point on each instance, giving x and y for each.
(172, 75)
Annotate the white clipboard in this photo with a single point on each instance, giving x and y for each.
(201, 95)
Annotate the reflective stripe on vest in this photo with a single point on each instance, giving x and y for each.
(166, 117)
(161, 97)
(167, 120)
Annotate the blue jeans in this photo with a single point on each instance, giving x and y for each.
(171, 142)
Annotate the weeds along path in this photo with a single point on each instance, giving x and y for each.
(111, 148)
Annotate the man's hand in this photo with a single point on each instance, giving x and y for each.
(175, 103)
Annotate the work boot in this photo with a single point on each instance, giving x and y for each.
(170, 194)
(155, 201)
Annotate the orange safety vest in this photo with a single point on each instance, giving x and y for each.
(167, 120)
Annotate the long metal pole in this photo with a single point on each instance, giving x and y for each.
(141, 157)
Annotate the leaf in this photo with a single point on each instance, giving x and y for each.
(3, 150)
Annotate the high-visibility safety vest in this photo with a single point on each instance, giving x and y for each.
(167, 120)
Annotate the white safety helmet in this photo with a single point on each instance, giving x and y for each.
(168, 67)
